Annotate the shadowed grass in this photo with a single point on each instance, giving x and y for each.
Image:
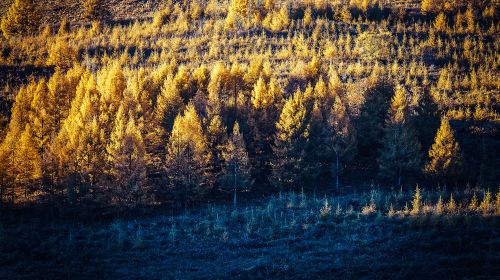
(287, 235)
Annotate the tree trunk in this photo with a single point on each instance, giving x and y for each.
(185, 200)
(337, 173)
(1, 189)
(399, 177)
(234, 186)
(234, 199)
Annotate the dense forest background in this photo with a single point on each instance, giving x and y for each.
(143, 102)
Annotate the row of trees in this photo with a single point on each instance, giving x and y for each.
(125, 135)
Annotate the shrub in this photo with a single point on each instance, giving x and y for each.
(138, 239)
(338, 210)
(438, 210)
(119, 231)
(368, 210)
(473, 203)
(416, 203)
(326, 210)
(485, 206)
(452, 206)
(497, 203)
(391, 212)
(371, 207)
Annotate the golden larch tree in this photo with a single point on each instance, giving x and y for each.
(22, 18)
(341, 138)
(290, 139)
(188, 160)
(126, 159)
(400, 152)
(28, 163)
(236, 169)
(445, 155)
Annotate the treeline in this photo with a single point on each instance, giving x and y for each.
(310, 105)
(126, 132)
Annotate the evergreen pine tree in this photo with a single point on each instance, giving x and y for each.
(316, 149)
(262, 118)
(401, 150)
(188, 157)
(236, 171)
(290, 139)
(341, 138)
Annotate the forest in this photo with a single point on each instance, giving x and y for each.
(362, 114)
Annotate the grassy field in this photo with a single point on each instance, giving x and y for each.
(372, 235)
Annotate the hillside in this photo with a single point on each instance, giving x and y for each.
(54, 10)
(249, 139)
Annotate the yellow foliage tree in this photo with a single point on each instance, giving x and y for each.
(401, 150)
(28, 167)
(61, 55)
(94, 10)
(126, 159)
(440, 22)
(260, 96)
(169, 104)
(341, 138)
(291, 135)
(278, 21)
(21, 18)
(240, 7)
(188, 157)
(42, 117)
(236, 168)
(80, 143)
(430, 6)
(445, 155)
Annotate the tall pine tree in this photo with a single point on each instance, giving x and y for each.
(28, 167)
(188, 160)
(236, 171)
(289, 144)
(341, 139)
(263, 115)
(127, 161)
(400, 152)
